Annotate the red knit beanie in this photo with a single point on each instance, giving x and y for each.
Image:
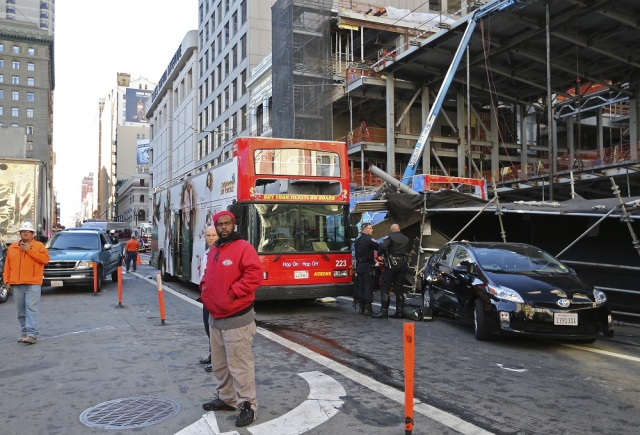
(223, 213)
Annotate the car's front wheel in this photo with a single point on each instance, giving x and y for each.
(427, 299)
(4, 294)
(480, 322)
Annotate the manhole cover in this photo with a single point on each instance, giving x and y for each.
(129, 413)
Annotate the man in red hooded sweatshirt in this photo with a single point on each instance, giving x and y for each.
(232, 277)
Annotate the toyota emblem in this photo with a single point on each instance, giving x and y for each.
(564, 303)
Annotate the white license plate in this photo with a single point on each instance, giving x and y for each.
(57, 283)
(301, 274)
(565, 319)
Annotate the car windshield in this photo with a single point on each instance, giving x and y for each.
(75, 241)
(517, 259)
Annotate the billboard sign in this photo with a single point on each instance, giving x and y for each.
(142, 152)
(136, 100)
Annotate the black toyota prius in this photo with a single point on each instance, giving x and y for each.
(514, 288)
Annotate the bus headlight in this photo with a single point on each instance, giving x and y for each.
(340, 273)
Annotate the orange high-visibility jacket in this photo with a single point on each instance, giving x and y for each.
(25, 267)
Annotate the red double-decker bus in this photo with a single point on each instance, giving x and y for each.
(291, 201)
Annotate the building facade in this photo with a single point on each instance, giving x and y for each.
(26, 96)
(172, 114)
(123, 135)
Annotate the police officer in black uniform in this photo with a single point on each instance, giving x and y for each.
(394, 248)
(365, 248)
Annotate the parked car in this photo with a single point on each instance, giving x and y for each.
(514, 288)
(72, 253)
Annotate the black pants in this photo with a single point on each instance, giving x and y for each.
(205, 319)
(393, 276)
(132, 256)
(365, 284)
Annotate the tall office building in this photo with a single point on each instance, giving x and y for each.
(234, 37)
(27, 82)
(41, 13)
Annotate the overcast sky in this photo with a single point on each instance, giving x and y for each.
(94, 40)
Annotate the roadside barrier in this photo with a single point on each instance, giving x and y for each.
(119, 287)
(160, 295)
(408, 332)
(95, 278)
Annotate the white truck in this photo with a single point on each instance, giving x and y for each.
(23, 197)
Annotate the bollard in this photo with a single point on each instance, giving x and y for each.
(160, 296)
(95, 278)
(120, 287)
(409, 356)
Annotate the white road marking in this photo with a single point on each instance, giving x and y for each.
(322, 403)
(429, 411)
(207, 425)
(603, 352)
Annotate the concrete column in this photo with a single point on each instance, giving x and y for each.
(462, 137)
(391, 121)
(571, 141)
(495, 147)
(634, 124)
(426, 155)
(600, 132)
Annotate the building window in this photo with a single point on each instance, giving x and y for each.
(15, 112)
(15, 95)
(1, 94)
(15, 80)
(31, 97)
(1, 111)
(15, 64)
(31, 66)
(29, 129)
(32, 51)
(16, 49)
(31, 81)
(142, 185)
(1, 78)
(1, 47)
(30, 113)
(1, 63)
(142, 197)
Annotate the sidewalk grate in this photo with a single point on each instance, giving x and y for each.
(129, 413)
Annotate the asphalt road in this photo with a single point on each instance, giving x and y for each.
(320, 368)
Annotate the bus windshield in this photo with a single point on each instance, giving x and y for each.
(286, 228)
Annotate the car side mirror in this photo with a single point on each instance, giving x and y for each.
(106, 246)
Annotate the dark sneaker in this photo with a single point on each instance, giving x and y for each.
(205, 360)
(247, 415)
(21, 338)
(217, 405)
(208, 369)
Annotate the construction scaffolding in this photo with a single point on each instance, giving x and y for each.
(302, 75)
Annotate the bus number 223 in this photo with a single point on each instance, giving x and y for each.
(341, 263)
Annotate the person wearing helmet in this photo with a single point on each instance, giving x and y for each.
(113, 237)
(23, 273)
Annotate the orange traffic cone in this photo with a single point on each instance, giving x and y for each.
(138, 262)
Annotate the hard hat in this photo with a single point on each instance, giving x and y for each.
(27, 226)
(113, 231)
